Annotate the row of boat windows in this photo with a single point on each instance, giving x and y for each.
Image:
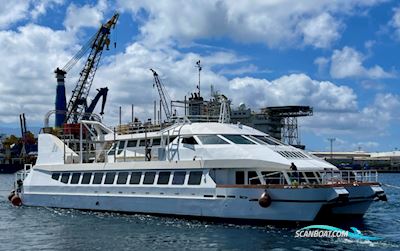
(133, 178)
(203, 139)
(254, 179)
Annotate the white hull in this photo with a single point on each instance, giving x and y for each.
(228, 203)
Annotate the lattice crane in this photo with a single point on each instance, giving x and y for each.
(163, 94)
(77, 104)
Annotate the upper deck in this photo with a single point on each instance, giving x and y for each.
(180, 142)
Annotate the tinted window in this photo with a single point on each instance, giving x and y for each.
(149, 178)
(55, 176)
(171, 138)
(122, 177)
(211, 140)
(253, 178)
(112, 151)
(238, 139)
(143, 142)
(132, 143)
(271, 177)
(179, 178)
(195, 178)
(75, 178)
(259, 141)
(135, 178)
(109, 178)
(189, 141)
(121, 146)
(163, 178)
(267, 140)
(86, 178)
(65, 178)
(240, 177)
(97, 178)
(156, 142)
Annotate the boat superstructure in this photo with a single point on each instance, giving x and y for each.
(210, 169)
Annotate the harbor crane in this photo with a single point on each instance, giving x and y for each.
(163, 95)
(77, 107)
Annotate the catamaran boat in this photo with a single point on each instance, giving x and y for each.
(211, 170)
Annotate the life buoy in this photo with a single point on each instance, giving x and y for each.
(264, 200)
(11, 195)
(16, 200)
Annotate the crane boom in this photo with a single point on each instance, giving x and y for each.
(162, 93)
(77, 104)
(101, 93)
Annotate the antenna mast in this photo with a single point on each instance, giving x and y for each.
(198, 65)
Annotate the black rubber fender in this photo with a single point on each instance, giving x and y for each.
(265, 200)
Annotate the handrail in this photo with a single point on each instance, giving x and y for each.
(332, 176)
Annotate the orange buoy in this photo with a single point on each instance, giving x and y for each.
(264, 200)
(11, 195)
(16, 200)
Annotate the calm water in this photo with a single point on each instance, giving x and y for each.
(56, 229)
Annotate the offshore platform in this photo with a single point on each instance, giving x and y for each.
(278, 121)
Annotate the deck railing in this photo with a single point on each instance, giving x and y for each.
(305, 177)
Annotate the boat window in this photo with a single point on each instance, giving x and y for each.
(75, 178)
(55, 176)
(189, 140)
(240, 177)
(179, 178)
(122, 178)
(121, 146)
(149, 178)
(132, 143)
(272, 177)
(238, 139)
(253, 178)
(172, 138)
(98, 177)
(195, 178)
(65, 178)
(259, 141)
(163, 178)
(156, 142)
(110, 177)
(135, 178)
(143, 142)
(211, 140)
(112, 151)
(267, 140)
(86, 178)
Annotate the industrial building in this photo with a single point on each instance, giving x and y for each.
(384, 161)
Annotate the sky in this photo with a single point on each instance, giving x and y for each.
(340, 57)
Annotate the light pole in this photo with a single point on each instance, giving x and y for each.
(331, 141)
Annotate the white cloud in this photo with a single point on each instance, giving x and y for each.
(322, 63)
(320, 31)
(395, 22)
(84, 16)
(14, 11)
(39, 7)
(283, 23)
(348, 62)
(294, 89)
(27, 80)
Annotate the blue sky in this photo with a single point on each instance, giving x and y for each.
(340, 57)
